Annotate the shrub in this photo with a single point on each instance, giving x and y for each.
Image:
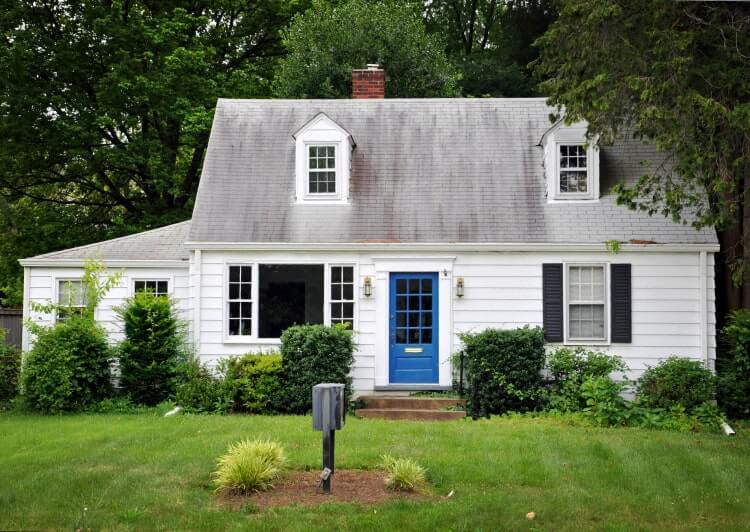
(10, 369)
(256, 383)
(604, 402)
(312, 354)
(152, 349)
(199, 390)
(569, 368)
(733, 387)
(403, 474)
(69, 366)
(676, 381)
(250, 466)
(503, 370)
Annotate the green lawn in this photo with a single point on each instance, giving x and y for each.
(144, 472)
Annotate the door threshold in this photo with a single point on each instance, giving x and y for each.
(413, 388)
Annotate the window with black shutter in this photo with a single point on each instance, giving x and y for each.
(552, 302)
(622, 329)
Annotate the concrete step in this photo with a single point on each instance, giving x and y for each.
(410, 413)
(406, 402)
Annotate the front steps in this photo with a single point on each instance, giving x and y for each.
(414, 408)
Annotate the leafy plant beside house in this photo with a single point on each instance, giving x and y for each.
(503, 369)
(152, 349)
(312, 354)
(733, 386)
(570, 368)
(676, 381)
(68, 367)
(10, 369)
(202, 391)
(255, 383)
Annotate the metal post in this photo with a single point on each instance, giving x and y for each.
(461, 375)
(329, 442)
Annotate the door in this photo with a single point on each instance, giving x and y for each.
(413, 354)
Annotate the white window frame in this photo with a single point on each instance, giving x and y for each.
(562, 135)
(58, 280)
(560, 170)
(566, 304)
(322, 195)
(240, 338)
(254, 338)
(329, 301)
(134, 280)
(322, 131)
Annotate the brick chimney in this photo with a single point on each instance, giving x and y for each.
(368, 83)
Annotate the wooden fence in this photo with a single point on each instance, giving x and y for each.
(12, 320)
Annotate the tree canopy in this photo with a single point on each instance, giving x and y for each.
(326, 42)
(677, 74)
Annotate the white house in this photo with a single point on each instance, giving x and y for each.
(414, 220)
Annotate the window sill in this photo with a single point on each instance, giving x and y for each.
(577, 199)
(251, 340)
(587, 342)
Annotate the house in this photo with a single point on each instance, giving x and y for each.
(413, 220)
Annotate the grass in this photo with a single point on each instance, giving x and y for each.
(145, 472)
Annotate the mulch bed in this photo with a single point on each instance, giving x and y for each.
(301, 487)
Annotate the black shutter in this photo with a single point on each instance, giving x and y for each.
(621, 304)
(552, 302)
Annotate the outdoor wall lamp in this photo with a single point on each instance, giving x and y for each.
(460, 287)
(368, 286)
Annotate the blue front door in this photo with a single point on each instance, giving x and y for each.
(413, 328)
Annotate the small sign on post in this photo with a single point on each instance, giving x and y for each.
(328, 416)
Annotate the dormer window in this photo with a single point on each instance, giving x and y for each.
(571, 163)
(322, 169)
(323, 162)
(573, 169)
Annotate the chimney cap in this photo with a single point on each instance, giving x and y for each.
(373, 66)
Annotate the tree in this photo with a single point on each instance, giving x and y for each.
(491, 41)
(105, 107)
(676, 74)
(327, 42)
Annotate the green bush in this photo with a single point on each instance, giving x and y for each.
(570, 367)
(676, 381)
(312, 354)
(68, 368)
(152, 349)
(10, 369)
(733, 387)
(503, 370)
(199, 390)
(256, 383)
(604, 402)
(250, 466)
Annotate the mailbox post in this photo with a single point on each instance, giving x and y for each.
(328, 416)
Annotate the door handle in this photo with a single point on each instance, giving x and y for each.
(413, 350)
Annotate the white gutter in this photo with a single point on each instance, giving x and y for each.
(703, 295)
(114, 264)
(463, 246)
(196, 286)
(26, 309)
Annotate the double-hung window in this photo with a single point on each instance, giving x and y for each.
(157, 287)
(321, 169)
(342, 294)
(573, 169)
(71, 298)
(240, 300)
(587, 301)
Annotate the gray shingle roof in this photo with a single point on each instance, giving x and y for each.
(436, 171)
(164, 243)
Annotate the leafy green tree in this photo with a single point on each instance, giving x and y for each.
(327, 42)
(491, 41)
(106, 106)
(677, 74)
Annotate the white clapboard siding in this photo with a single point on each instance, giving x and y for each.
(502, 290)
(43, 289)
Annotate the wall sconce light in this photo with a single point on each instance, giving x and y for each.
(460, 287)
(368, 286)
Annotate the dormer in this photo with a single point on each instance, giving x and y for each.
(323, 162)
(571, 163)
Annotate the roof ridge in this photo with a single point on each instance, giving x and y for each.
(52, 254)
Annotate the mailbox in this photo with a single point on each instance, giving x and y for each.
(328, 406)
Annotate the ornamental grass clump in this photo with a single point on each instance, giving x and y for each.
(250, 466)
(403, 474)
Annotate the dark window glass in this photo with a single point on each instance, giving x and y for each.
(289, 294)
